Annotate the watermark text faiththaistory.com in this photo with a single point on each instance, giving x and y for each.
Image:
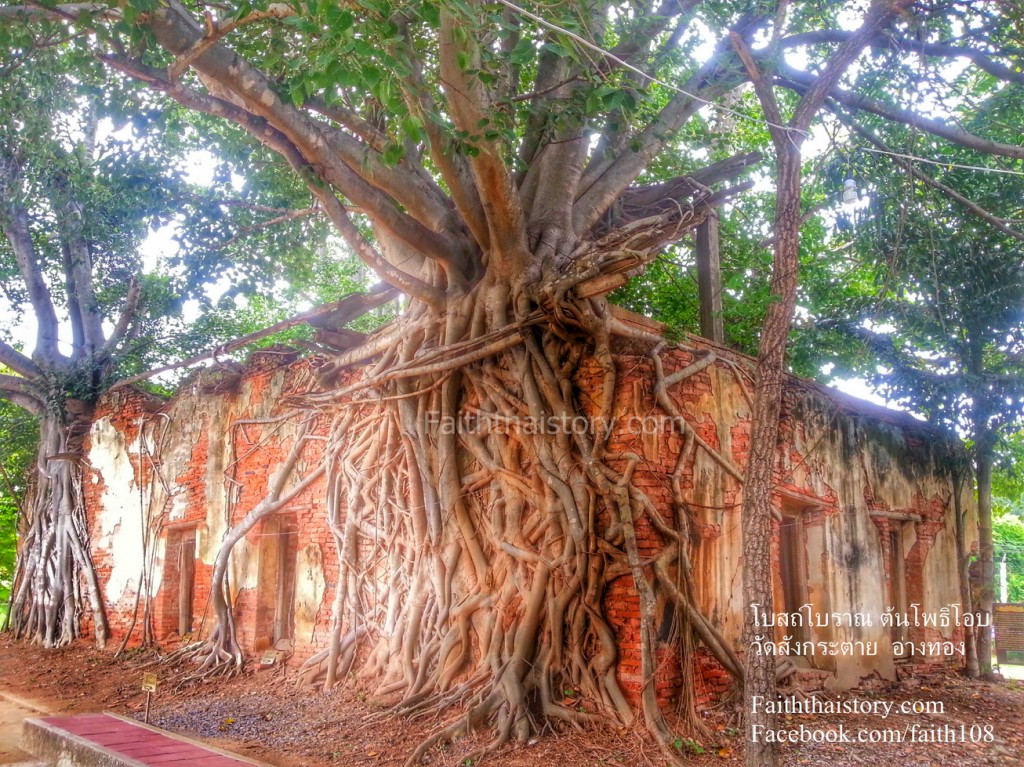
(478, 422)
(912, 732)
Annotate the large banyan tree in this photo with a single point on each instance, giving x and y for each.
(504, 167)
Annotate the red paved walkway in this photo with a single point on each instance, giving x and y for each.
(145, 745)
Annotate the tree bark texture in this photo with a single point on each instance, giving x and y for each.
(756, 513)
(55, 577)
(758, 573)
(984, 457)
(964, 571)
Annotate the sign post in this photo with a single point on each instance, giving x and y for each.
(150, 683)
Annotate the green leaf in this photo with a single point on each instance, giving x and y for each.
(562, 51)
(371, 75)
(412, 127)
(624, 100)
(392, 154)
(523, 53)
(339, 20)
(431, 14)
(244, 9)
(380, 7)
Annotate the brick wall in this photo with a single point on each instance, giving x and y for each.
(222, 439)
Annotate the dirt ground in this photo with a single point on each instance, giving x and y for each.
(263, 715)
(13, 711)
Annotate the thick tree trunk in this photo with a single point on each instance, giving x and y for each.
(56, 578)
(759, 484)
(496, 566)
(986, 594)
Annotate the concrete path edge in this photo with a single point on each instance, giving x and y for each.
(56, 745)
(60, 747)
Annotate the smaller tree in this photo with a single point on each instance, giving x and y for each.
(82, 185)
(946, 322)
(1008, 512)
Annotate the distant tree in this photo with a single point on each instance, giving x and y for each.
(1008, 476)
(1008, 547)
(1008, 511)
(944, 316)
(89, 166)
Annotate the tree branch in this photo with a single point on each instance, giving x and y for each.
(939, 50)
(551, 75)
(552, 183)
(350, 165)
(615, 131)
(271, 137)
(18, 362)
(453, 167)
(924, 178)
(74, 307)
(341, 311)
(412, 286)
(369, 133)
(764, 91)
(15, 225)
(78, 270)
(878, 15)
(647, 28)
(640, 202)
(283, 218)
(218, 29)
(255, 126)
(602, 185)
(22, 393)
(64, 12)
(800, 82)
(470, 108)
(124, 321)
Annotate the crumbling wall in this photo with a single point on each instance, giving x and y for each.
(179, 475)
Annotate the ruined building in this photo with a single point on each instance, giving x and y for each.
(866, 524)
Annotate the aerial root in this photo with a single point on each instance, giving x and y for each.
(471, 571)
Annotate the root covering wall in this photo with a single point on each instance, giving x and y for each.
(865, 502)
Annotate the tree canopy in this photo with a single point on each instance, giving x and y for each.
(401, 112)
(83, 145)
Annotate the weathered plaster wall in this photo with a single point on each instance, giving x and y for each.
(115, 524)
(850, 472)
